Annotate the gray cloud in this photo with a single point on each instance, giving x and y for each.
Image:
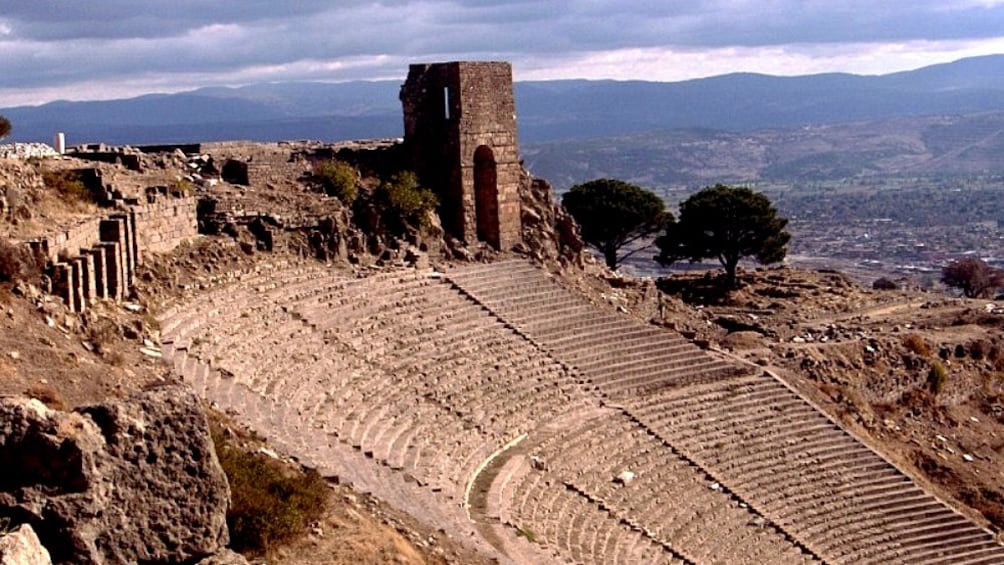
(51, 44)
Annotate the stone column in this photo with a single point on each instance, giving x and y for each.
(113, 269)
(134, 233)
(77, 267)
(63, 283)
(129, 245)
(113, 230)
(97, 255)
(87, 283)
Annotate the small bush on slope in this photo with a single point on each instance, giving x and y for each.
(269, 503)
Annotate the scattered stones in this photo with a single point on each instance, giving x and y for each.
(26, 151)
(537, 463)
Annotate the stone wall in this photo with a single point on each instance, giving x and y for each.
(163, 224)
(257, 164)
(460, 130)
(97, 258)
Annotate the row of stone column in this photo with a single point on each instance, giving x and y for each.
(104, 270)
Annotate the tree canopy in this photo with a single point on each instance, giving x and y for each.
(974, 277)
(4, 127)
(614, 214)
(725, 223)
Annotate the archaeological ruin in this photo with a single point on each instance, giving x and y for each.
(460, 130)
(483, 394)
(96, 259)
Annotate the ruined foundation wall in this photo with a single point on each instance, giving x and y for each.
(162, 225)
(256, 164)
(98, 258)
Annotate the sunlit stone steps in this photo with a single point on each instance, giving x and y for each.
(787, 460)
(802, 470)
(409, 381)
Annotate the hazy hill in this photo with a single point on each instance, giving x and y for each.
(548, 110)
(940, 145)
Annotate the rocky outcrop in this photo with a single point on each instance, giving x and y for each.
(21, 547)
(125, 481)
(549, 231)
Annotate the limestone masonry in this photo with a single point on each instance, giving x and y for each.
(97, 258)
(460, 131)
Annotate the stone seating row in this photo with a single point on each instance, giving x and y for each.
(286, 432)
(381, 422)
(805, 471)
(763, 441)
(556, 516)
(240, 289)
(665, 495)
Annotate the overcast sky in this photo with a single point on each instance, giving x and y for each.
(87, 49)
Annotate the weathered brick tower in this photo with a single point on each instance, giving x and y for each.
(460, 130)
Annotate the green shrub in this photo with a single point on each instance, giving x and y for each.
(270, 504)
(4, 127)
(936, 378)
(405, 199)
(68, 184)
(337, 179)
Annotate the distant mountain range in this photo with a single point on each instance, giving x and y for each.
(720, 119)
(947, 146)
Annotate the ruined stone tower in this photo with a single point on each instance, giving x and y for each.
(460, 130)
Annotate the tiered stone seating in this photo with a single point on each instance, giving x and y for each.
(669, 499)
(382, 363)
(615, 353)
(579, 529)
(763, 442)
(806, 473)
(407, 387)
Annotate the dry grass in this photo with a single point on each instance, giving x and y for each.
(916, 344)
(17, 262)
(46, 394)
(68, 185)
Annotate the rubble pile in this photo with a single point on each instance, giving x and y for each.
(26, 151)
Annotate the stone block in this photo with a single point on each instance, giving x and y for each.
(97, 255)
(113, 267)
(63, 283)
(113, 230)
(22, 547)
(142, 483)
(88, 283)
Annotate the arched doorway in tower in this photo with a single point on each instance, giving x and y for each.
(486, 195)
